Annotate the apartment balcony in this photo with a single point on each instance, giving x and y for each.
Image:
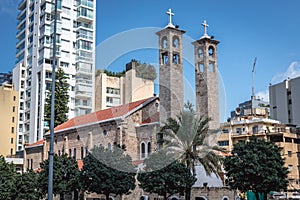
(58, 53)
(85, 3)
(84, 56)
(83, 95)
(58, 26)
(20, 32)
(21, 15)
(83, 70)
(20, 58)
(85, 26)
(20, 51)
(84, 16)
(22, 4)
(20, 23)
(84, 36)
(59, 6)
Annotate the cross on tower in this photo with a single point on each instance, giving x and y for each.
(170, 18)
(205, 25)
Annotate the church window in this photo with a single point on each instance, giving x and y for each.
(149, 148)
(175, 42)
(176, 58)
(164, 42)
(225, 198)
(82, 152)
(165, 58)
(200, 198)
(74, 153)
(143, 150)
(211, 67)
(211, 51)
(201, 67)
(200, 53)
(104, 132)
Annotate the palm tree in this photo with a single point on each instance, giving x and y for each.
(190, 140)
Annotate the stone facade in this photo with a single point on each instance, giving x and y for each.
(171, 72)
(206, 77)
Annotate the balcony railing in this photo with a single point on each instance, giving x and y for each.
(86, 3)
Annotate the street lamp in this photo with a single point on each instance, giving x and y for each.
(51, 150)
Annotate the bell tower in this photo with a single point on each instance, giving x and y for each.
(170, 70)
(206, 77)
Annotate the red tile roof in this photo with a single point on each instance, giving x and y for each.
(101, 115)
(38, 143)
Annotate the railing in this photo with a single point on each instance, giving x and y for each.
(85, 3)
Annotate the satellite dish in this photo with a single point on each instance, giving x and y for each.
(238, 111)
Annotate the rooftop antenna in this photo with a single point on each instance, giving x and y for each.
(253, 67)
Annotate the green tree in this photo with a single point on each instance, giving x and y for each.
(189, 139)
(61, 108)
(27, 186)
(145, 71)
(66, 176)
(166, 181)
(108, 172)
(8, 178)
(256, 165)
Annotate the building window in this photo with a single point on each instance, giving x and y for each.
(289, 153)
(238, 130)
(86, 150)
(82, 152)
(149, 148)
(74, 153)
(31, 163)
(13, 108)
(223, 143)
(143, 150)
(70, 152)
(27, 163)
(255, 129)
(11, 140)
(14, 98)
(13, 119)
(104, 132)
(12, 129)
(58, 152)
(290, 167)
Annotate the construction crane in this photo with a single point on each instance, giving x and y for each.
(253, 67)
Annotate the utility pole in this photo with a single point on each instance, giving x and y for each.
(51, 150)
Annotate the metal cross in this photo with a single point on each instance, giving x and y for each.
(205, 25)
(170, 18)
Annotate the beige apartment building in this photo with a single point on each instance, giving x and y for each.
(113, 91)
(8, 119)
(240, 129)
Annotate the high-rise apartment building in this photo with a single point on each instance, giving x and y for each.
(8, 119)
(75, 43)
(285, 101)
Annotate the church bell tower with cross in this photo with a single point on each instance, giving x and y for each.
(206, 77)
(170, 70)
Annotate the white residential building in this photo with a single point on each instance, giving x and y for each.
(285, 101)
(75, 54)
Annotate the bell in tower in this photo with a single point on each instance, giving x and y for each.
(170, 70)
(206, 77)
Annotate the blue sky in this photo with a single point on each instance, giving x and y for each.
(268, 30)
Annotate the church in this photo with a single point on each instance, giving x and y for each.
(134, 125)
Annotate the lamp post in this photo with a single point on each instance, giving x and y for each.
(51, 150)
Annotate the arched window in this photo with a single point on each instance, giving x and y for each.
(149, 148)
(200, 198)
(200, 53)
(175, 42)
(201, 67)
(104, 132)
(211, 51)
(143, 150)
(225, 198)
(164, 42)
(109, 146)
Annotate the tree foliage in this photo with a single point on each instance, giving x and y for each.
(27, 186)
(189, 139)
(66, 175)
(110, 73)
(146, 71)
(61, 94)
(8, 179)
(256, 165)
(166, 181)
(108, 172)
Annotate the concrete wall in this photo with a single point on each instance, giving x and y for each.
(8, 120)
